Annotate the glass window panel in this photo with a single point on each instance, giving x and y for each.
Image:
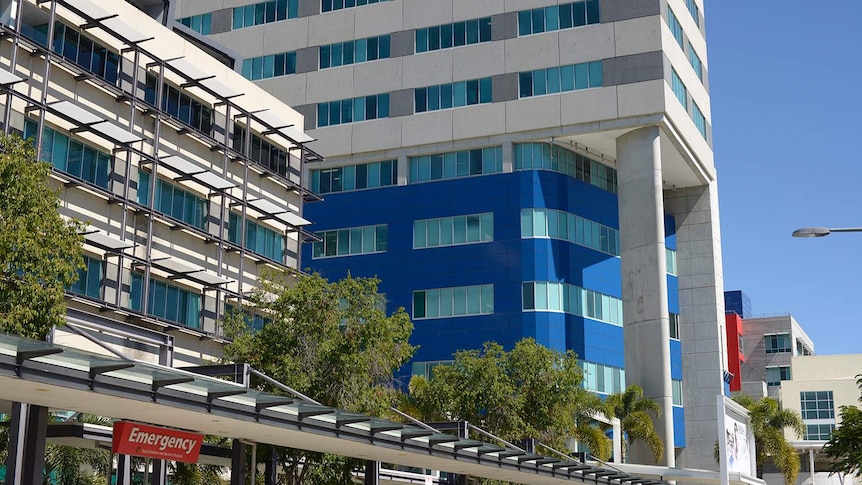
(459, 301)
(419, 234)
(485, 93)
(433, 234)
(418, 304)
(432, 298)
(552, 18)
(582, 76)
(487, 298)
(472, 32)
(554, 80)
(524, 23)
(473, 233)
(485, 29)
(446, 302)
(474, 300)
(421, 40)
(487, 222)
(368, 242)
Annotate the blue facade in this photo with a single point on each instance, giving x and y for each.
(739, 302)
(506, 262)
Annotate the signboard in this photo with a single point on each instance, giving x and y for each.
(158, 443)
(735, 441)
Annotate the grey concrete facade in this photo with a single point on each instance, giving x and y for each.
(702, 324)
(645, 307)
(756, 331)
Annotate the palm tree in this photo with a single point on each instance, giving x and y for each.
(767, 423)
(635, 414)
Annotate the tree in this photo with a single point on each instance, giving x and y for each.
(72, 465)
(331, 341)
(767, 423)
(528, 392)
(845, 445)
(635, 414)
(40, 252)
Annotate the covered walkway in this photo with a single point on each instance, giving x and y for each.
(58, 377)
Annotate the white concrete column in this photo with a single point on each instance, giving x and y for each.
(644, 275)
(702, 325)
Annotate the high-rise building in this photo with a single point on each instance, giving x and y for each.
(770, 342)
(529, 168)
(148, 136)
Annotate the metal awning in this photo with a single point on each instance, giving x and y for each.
(130, 34)
(274, 211)
(220, 88)
(106, 242)
(180, 270)
(7, 78)
(62, 377)
(187, 69)
(191, 171)
(84, 119)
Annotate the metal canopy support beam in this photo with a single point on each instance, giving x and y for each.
(237, 463)
(17, 434)
(124, 470)
(34, 445)
(372, 472)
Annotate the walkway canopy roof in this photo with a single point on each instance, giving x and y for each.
(65, 378)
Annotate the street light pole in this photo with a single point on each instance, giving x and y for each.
(822, 231)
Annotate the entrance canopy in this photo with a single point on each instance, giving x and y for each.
(61, 377)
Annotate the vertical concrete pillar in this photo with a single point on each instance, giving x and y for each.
(702, 324)
(646, 331)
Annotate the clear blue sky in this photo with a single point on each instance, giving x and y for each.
(786, 88)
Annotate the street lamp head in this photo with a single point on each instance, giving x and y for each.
(812, 232)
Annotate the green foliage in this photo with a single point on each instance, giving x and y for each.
(529, 392)
(331, 341)
(845, 445)
(767, 423)
(635, 414)
(40, 252)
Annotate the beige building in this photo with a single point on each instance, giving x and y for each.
(820, 385)
(147, 135)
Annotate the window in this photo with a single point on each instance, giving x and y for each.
(699, 119)
(272, 65)
(529, 156)
(329, 5)
(602, 378)
(675, 27)
(694, 10)
(355, 51)
(566, 298)
(453, 35)
(777, 343)
(557, 224)
(454, 95)
(264, 13)
(741, 346)
(695, 62)
(179, 105)
(258, 238)
(86, 53)
(674, 325)
(353, 110)
(679, 89)
(818, 432)
(426, 369)
(89, 278)
(558, 17)
(201, 24)
(167, 301)
(71, 156)
(453, 302)
(560, 79)
(774, 375)
(253, 321)
(451, 231)
(817, 405)
(676, 389)
(355, 177)
(350, 241)
(262, 152)
(173, 201)
(670, 261)
(456, 164)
